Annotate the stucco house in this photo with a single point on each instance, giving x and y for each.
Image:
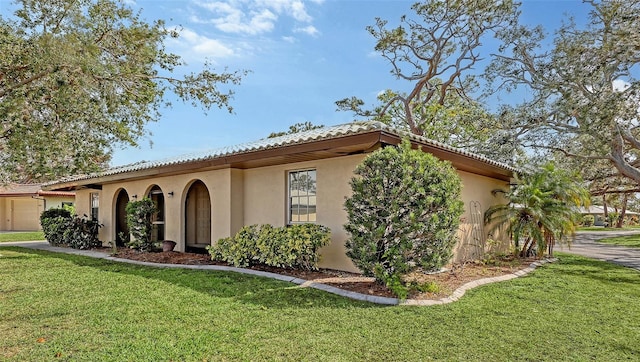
(22, 204)
(597, 212)
(295, 178)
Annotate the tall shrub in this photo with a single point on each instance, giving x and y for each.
(54, 222)
(139, 221)
(404, 213)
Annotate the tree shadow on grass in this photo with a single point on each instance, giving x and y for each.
(243, 288)
(602, 271)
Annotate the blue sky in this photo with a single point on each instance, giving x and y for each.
(303, 55)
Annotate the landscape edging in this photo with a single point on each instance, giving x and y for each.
(456, 295)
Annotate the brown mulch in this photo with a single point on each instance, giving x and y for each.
(454, 275)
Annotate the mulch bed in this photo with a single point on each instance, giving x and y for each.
(454, 276)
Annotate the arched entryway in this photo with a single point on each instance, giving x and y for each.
(157, 219)
(197, 217)
(122, 229)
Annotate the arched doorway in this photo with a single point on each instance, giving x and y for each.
(157, 219)
(197, 217)
(122, 229)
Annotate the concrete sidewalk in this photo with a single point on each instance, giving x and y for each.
(585, 245)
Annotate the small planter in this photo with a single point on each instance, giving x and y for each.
(168, 245)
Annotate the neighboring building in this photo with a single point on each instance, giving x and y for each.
(22, 204)
(598, 214)
(290, 179)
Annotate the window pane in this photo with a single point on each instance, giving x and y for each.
(302, 196)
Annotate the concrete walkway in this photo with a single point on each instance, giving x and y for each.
(316, 284)
(585, 245)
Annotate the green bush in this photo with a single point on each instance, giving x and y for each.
(404, 213)
(139, 221)
(588, 220)
(295, 246)
(54, 222)
(61, 229)
(82, 233)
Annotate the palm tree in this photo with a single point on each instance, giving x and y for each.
(542, 210)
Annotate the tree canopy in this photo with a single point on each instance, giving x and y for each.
(436, 51)
(296, 128)
(584, 88)
(78, 77)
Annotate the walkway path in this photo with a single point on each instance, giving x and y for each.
(585, 244)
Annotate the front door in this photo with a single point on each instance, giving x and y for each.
(198, 217)
(122, 229)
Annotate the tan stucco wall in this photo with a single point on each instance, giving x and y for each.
(477, 198)
(265, 200)
(225, 201)
(20, 213)
(259, 196)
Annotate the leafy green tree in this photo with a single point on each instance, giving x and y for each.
(404, 213)
(296, 128)
(436, 52)
(584, 87)
(80, 76)
(543, 209)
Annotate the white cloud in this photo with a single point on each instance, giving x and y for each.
(193, 45)
(289, 39)
(253, 17)
(309, 30)
(292, 8)
(236, 22)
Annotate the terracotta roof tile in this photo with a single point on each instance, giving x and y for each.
(324, 133)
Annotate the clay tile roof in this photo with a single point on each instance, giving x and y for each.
(19, 189)
(31, 190)
(324, 133)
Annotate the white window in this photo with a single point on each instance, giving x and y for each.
(95, 203)
(302, 196)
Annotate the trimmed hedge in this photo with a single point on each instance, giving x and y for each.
(295, 246)
(54, 222)
(62, 229)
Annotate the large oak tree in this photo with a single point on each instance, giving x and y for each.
(584, 87)
(80, 76)
(436, 50)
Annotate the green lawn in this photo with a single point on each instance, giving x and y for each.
(601, 228)
(77, 308)
(22, 236)
(627, 240)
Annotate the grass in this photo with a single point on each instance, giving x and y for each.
(82, 309)
(21, 236)
(601, 228)
(632, 241)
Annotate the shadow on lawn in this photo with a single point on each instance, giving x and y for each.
(218, 284)
(596, 269)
